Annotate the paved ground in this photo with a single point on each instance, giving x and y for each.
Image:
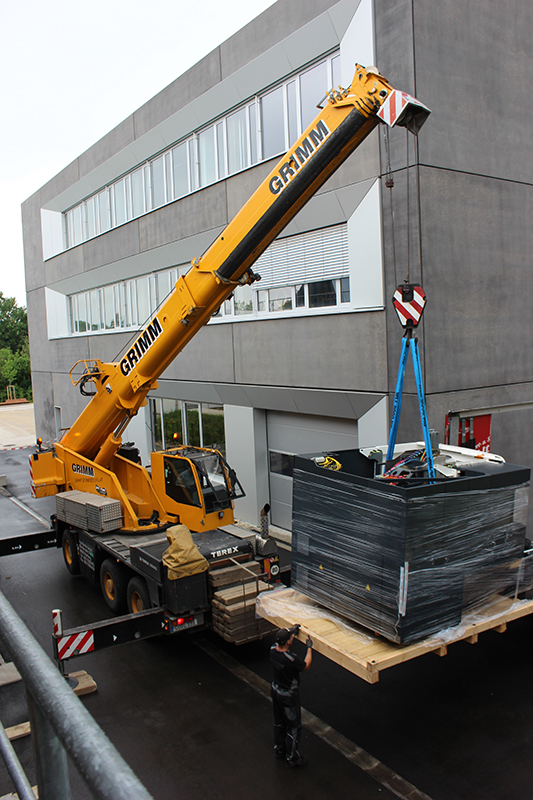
(17, 426)
(190, 715)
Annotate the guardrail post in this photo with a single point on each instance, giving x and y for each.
(50, 757)
(104, 771)
(14, 767)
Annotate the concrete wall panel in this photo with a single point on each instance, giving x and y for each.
(360, 166)
(273, 25)
(59, 183)
(477, 239)
(68, 398)
(42, 383)
(111, 143)
(471, 62)
(39, 344)
(208, 357)
(107, 346)
(195, 213)
(115, 245)
(239, 188)
(65, 265)
(197, 80)
(333, 352)
(65, 352)
(33, 253)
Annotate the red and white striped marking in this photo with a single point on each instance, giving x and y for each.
(75, 644)
(32, 483)
(394, 105)
(57, 621)
(411, 311)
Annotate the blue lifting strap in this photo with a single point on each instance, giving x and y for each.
(410, 343)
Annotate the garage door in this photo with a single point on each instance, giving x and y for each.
(292, 434)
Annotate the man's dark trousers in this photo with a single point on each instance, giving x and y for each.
(287, 721)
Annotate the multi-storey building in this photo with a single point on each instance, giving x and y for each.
(306, 359)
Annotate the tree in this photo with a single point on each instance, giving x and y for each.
(14, 353)
(13, 324)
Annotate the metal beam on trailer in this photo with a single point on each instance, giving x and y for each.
(28, 543)
(110, 633)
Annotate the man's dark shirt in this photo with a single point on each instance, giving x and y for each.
(287, 667)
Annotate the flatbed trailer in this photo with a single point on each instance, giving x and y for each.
(133, 578)
(366, 655)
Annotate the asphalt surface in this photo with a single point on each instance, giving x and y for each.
(189, 714)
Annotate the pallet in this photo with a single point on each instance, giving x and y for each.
(86, 684)
(9, 674)
(18, 731)
(234, 615)
(241, 593)
(258, 627)
(243, 609)
(235, 574)
(366, 654)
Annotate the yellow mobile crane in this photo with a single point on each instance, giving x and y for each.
(87, 456)
(190, 486)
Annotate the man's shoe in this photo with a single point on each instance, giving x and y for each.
(281, 754)
(299, 762)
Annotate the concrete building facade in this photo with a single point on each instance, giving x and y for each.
(306, 359)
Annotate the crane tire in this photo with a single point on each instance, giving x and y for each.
(138, 595)
(69, 545)
(113, 582)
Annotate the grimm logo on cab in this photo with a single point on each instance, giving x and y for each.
(301, 155)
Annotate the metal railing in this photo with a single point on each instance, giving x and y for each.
(60, 724)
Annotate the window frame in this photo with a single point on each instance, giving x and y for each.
(251, 154)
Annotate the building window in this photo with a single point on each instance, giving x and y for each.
(207, 156)
(302, 273)
(260, 129)
(273, 119)
(237, 133)
(281, 463)
(157, 175)
(178, 422)
(313, 87)
(322, 293)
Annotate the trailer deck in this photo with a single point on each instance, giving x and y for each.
(365, 654)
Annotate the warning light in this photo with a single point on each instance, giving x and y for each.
(39, 443)
(180, 620)
(176, 437)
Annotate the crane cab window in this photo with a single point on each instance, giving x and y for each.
(180, 482)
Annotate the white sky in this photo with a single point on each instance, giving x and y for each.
(71, 70)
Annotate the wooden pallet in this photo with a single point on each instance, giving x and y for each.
(366, 654)
(240, 593)
(226, 576)
(10, 674)
(244, 608)
(234, 615)
(250, 631)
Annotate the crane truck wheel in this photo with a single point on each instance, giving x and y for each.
(138, 596)
(70, 552)
(113, 582)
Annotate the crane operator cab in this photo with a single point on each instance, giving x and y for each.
(198, 485)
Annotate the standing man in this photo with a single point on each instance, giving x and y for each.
(285, 693)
